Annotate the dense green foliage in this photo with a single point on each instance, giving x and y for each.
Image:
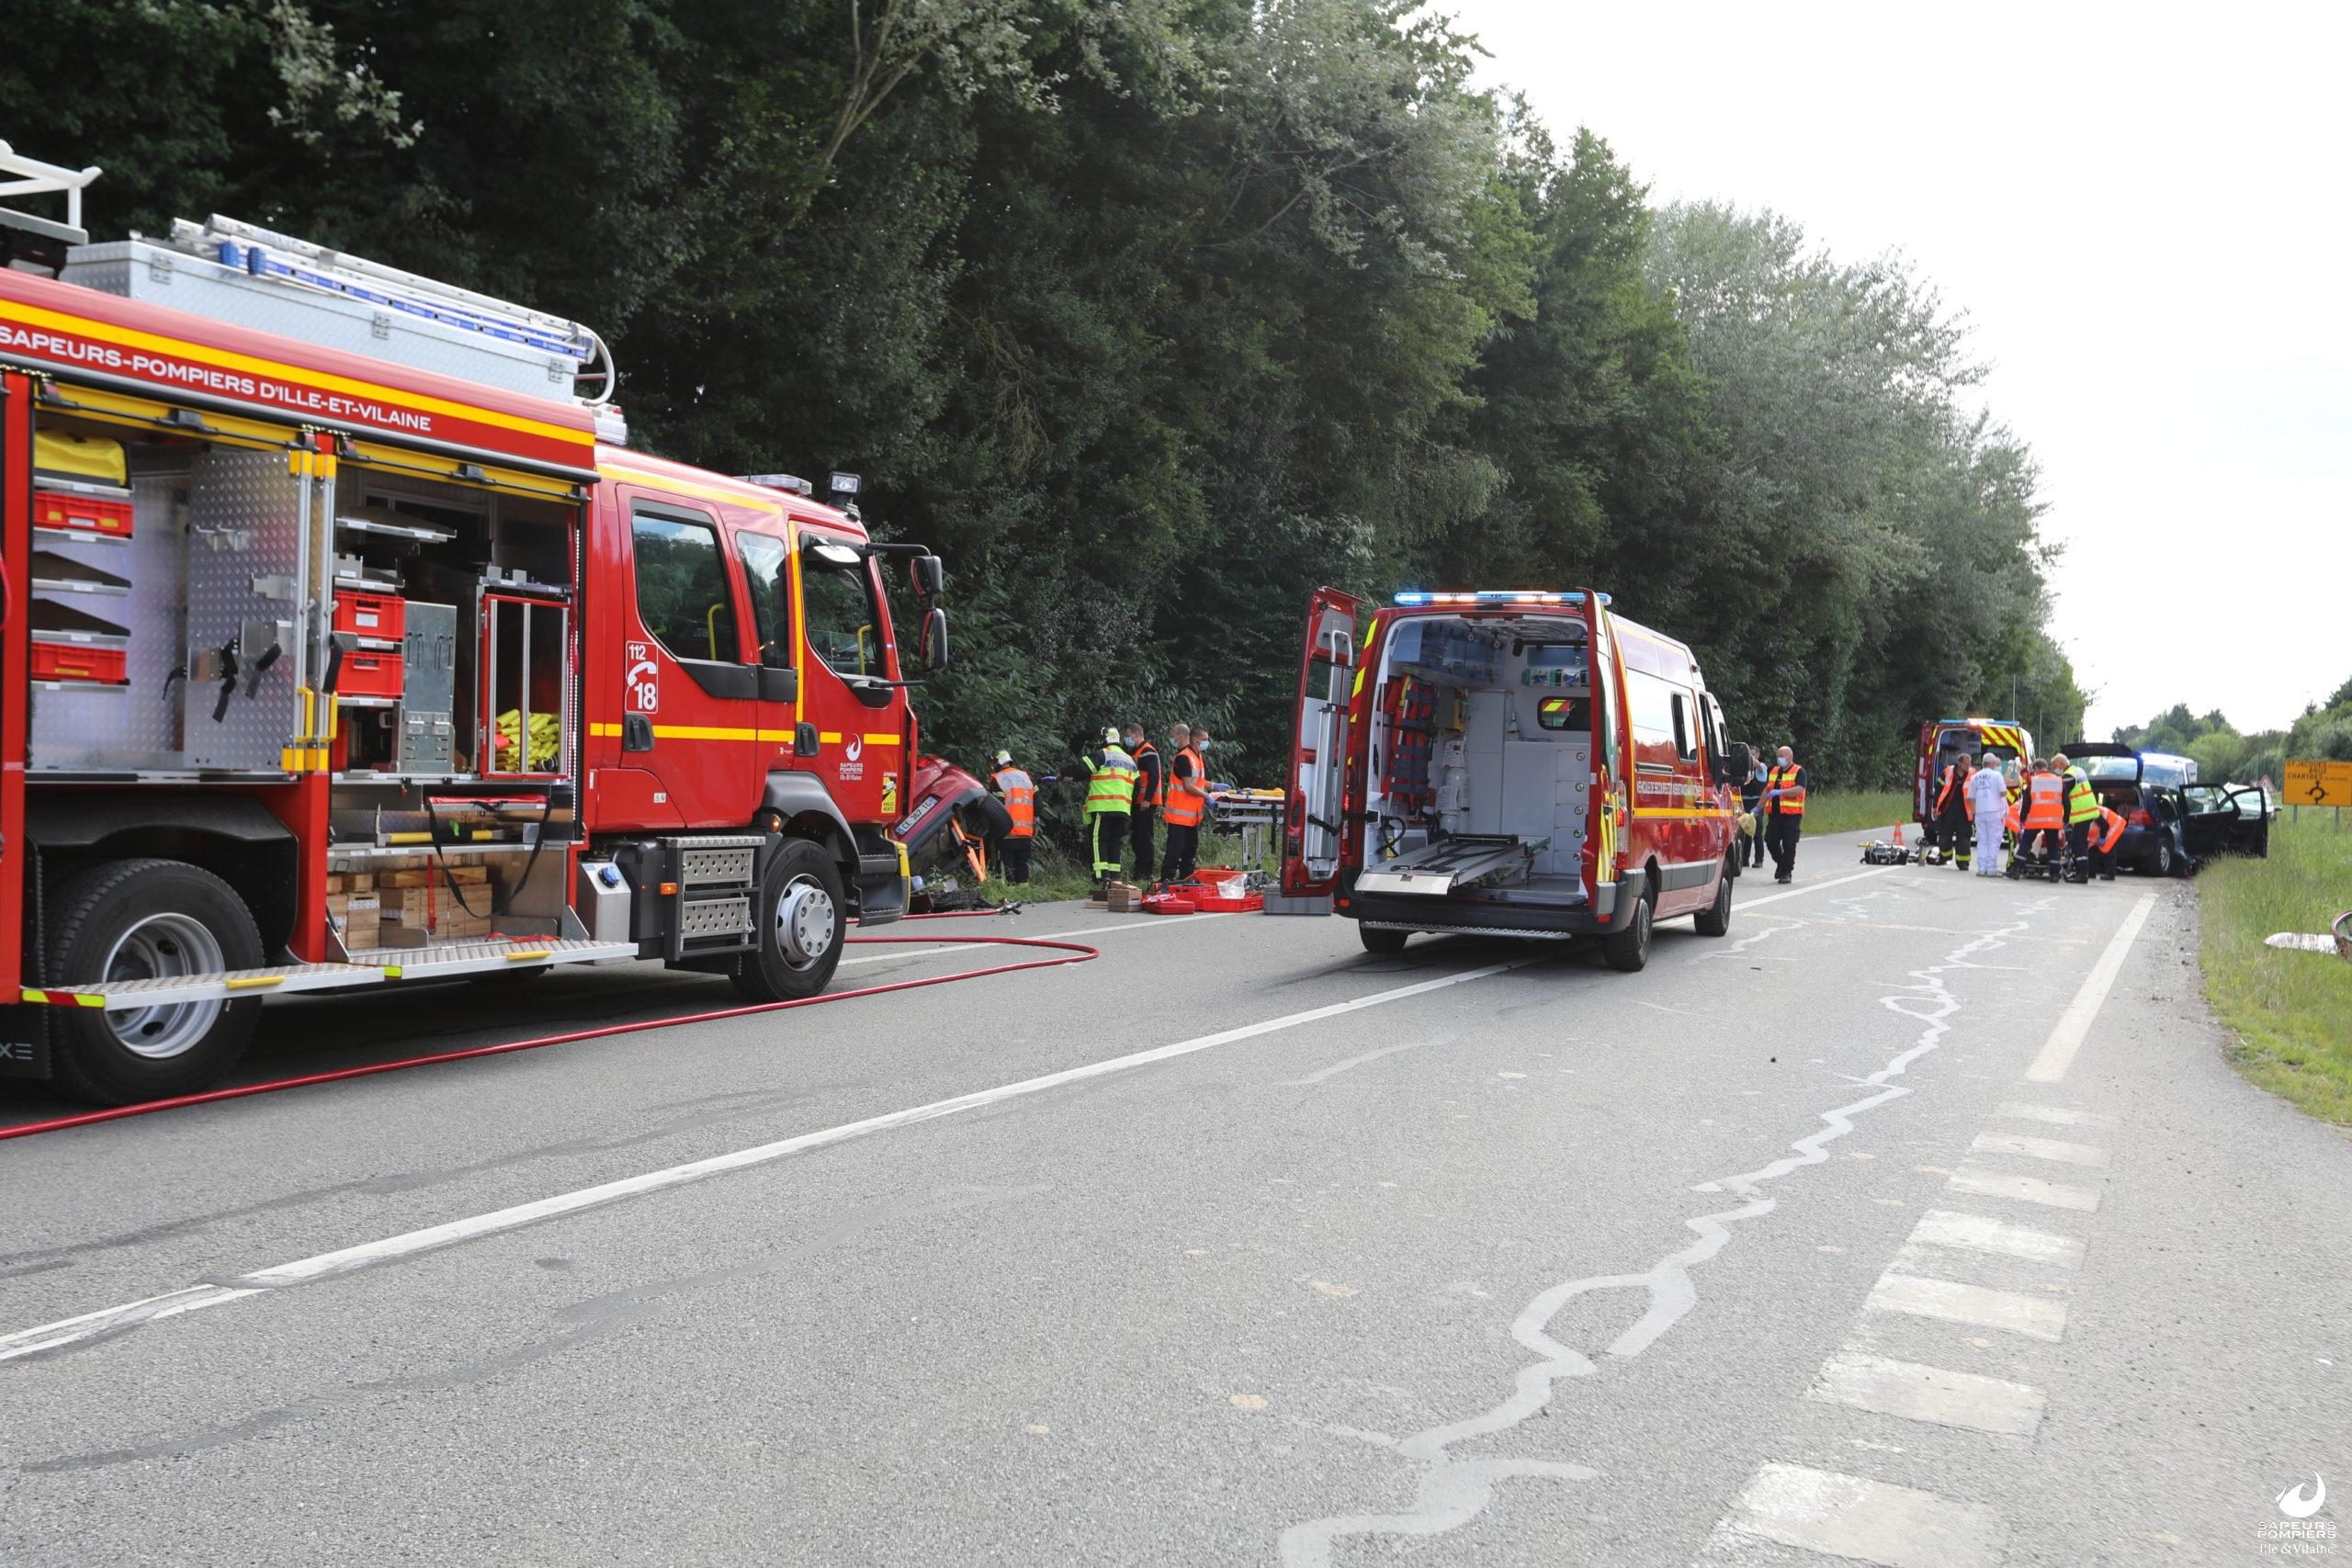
(2324, 732)
(1151, 316)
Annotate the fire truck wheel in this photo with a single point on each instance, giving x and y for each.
(801, 917)
(1630, 949)
(1376, 940)
(1716, 921)
(141, 920)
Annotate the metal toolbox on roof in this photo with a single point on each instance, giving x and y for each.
(162, 275)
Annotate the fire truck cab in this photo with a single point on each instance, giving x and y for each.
(343, 641)
(1506, 763)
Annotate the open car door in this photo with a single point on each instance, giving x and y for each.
(2249, 834)
(1313, 830)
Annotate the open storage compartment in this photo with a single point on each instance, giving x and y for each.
(1482, 759)
(454, 807)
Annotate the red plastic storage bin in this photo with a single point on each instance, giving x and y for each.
(365, 675)
(79, 662)
(80, 512)
(370, 615)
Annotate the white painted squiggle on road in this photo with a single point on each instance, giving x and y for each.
(1451, 1490)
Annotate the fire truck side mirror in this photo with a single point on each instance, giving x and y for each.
(929, 575)
(1736, 762)
(932, 650)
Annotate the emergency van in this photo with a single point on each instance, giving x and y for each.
(343, 642)
(1948, 742)
(1519, 763)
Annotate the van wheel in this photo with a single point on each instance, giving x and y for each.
(150, 919)
(1377, 940)
(1628, 950)
(1716, 921)
(799, 921)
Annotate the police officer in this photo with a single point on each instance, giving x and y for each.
(1784, 790)
(1151, 794)
(1018, 791)
(1110, 798)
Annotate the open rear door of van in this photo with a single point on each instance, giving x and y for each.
(1314, 829)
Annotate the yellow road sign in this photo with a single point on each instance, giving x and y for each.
(2317, 784)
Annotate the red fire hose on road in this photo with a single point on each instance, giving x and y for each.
(1073, 953)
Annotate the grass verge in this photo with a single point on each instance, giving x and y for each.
(1853, 811)
(2291, 1011)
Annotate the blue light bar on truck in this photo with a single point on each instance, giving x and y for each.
(1494, 597)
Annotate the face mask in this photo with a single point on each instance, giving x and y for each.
(1205, 746)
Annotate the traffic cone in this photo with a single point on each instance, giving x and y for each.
(1898, 835)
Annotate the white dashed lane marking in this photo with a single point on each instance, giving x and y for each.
(1867, 1521)
(2036, 1317)
(1930, 1393)
(2026, 1188)
(2057, 1053)
(2055, 1115)
(1972, 1233)
(2055, 1149)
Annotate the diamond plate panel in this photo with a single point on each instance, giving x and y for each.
(245, 522)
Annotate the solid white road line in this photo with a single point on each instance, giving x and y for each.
(2055, 1149)
(2057, 1054)
(2029, 1188)
(2036, 1317)
(1868, 1521)
(90, 1326)
(1973, 1233)
(1930, 1393)
(1812, 888)
(2052, 1114)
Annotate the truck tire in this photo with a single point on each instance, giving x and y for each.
(1377, 940)
(135, 919)
(1629, 948)
(800, 920)
(1716, 920)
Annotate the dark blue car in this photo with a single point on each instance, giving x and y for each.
(2172, 823)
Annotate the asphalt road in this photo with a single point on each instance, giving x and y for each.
(1918, 1222)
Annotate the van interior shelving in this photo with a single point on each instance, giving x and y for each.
(1482, 760)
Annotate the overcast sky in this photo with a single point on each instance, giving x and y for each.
(2143, 213)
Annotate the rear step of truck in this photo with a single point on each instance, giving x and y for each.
(446, 961)
(1455, 864)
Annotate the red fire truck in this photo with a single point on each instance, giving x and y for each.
(1507, 762)
(343, 642)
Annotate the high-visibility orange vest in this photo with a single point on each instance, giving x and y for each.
(1789, 804)
(2045, 803)
(1952, 784)
(2115, 824)
(1187, 798)
(1158, 795)
(1020, 792)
